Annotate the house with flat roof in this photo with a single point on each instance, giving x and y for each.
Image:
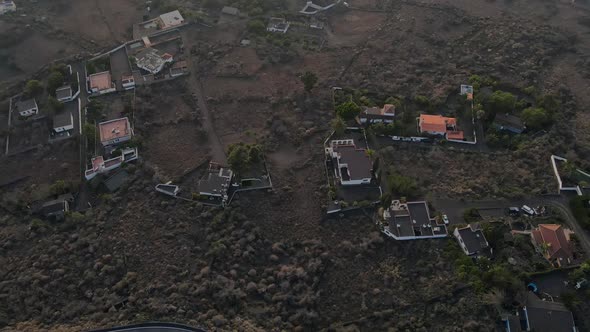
(171, 20)
(411, 221)
(352, 165)
(63, 122)
(27, 107)
(552, 241)
(100, 165)
(276, 24)
(439, 125)
(115, 131)
(385, 114)
(509, 123)
(472, 241)
(216, 184)
(7, 6)
(101, 83)
(64, 94)
(540, 316)
(152, 60)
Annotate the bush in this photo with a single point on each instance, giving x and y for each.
(257, 27)
(401, 185)
(536, 118)
(309, 80)
(500, 102)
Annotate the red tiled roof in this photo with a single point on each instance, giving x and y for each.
(554, 236)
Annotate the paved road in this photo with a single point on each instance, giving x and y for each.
(455, 209)
(83, 191)
(196, 88)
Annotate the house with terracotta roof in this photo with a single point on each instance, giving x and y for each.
(370, 115)
(115, 131)
(101, 83)
(553, 242)
(352, 165)
(439, 125)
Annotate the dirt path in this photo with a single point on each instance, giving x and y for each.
(196, 87)
(104, 19)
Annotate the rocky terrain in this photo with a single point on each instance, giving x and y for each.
(272, 261)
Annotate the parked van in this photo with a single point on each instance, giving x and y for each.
(528, 210)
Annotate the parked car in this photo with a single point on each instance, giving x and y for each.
(396, 138)
(445, 218)
(528, 210)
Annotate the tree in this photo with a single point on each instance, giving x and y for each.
(338, 126)
(241, 156)
(256, 26)
(535, 118)
(309, 80)
(33, 88)
(55, 105)
(54, 81)
(348, 110)
(500, 102)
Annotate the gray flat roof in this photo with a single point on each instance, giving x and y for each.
(62, 120)
(27, 104)
(63, 92)
(359, 163)
(214, 184)
(474, 241)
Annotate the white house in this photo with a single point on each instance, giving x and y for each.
(7, 6)
(64, 94)
(27, 107)
(99, 165)
(278, 25)
(63, 122)
(152, 61)
(352, 166)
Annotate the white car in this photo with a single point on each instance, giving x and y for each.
(396, 138)
(445, 219)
